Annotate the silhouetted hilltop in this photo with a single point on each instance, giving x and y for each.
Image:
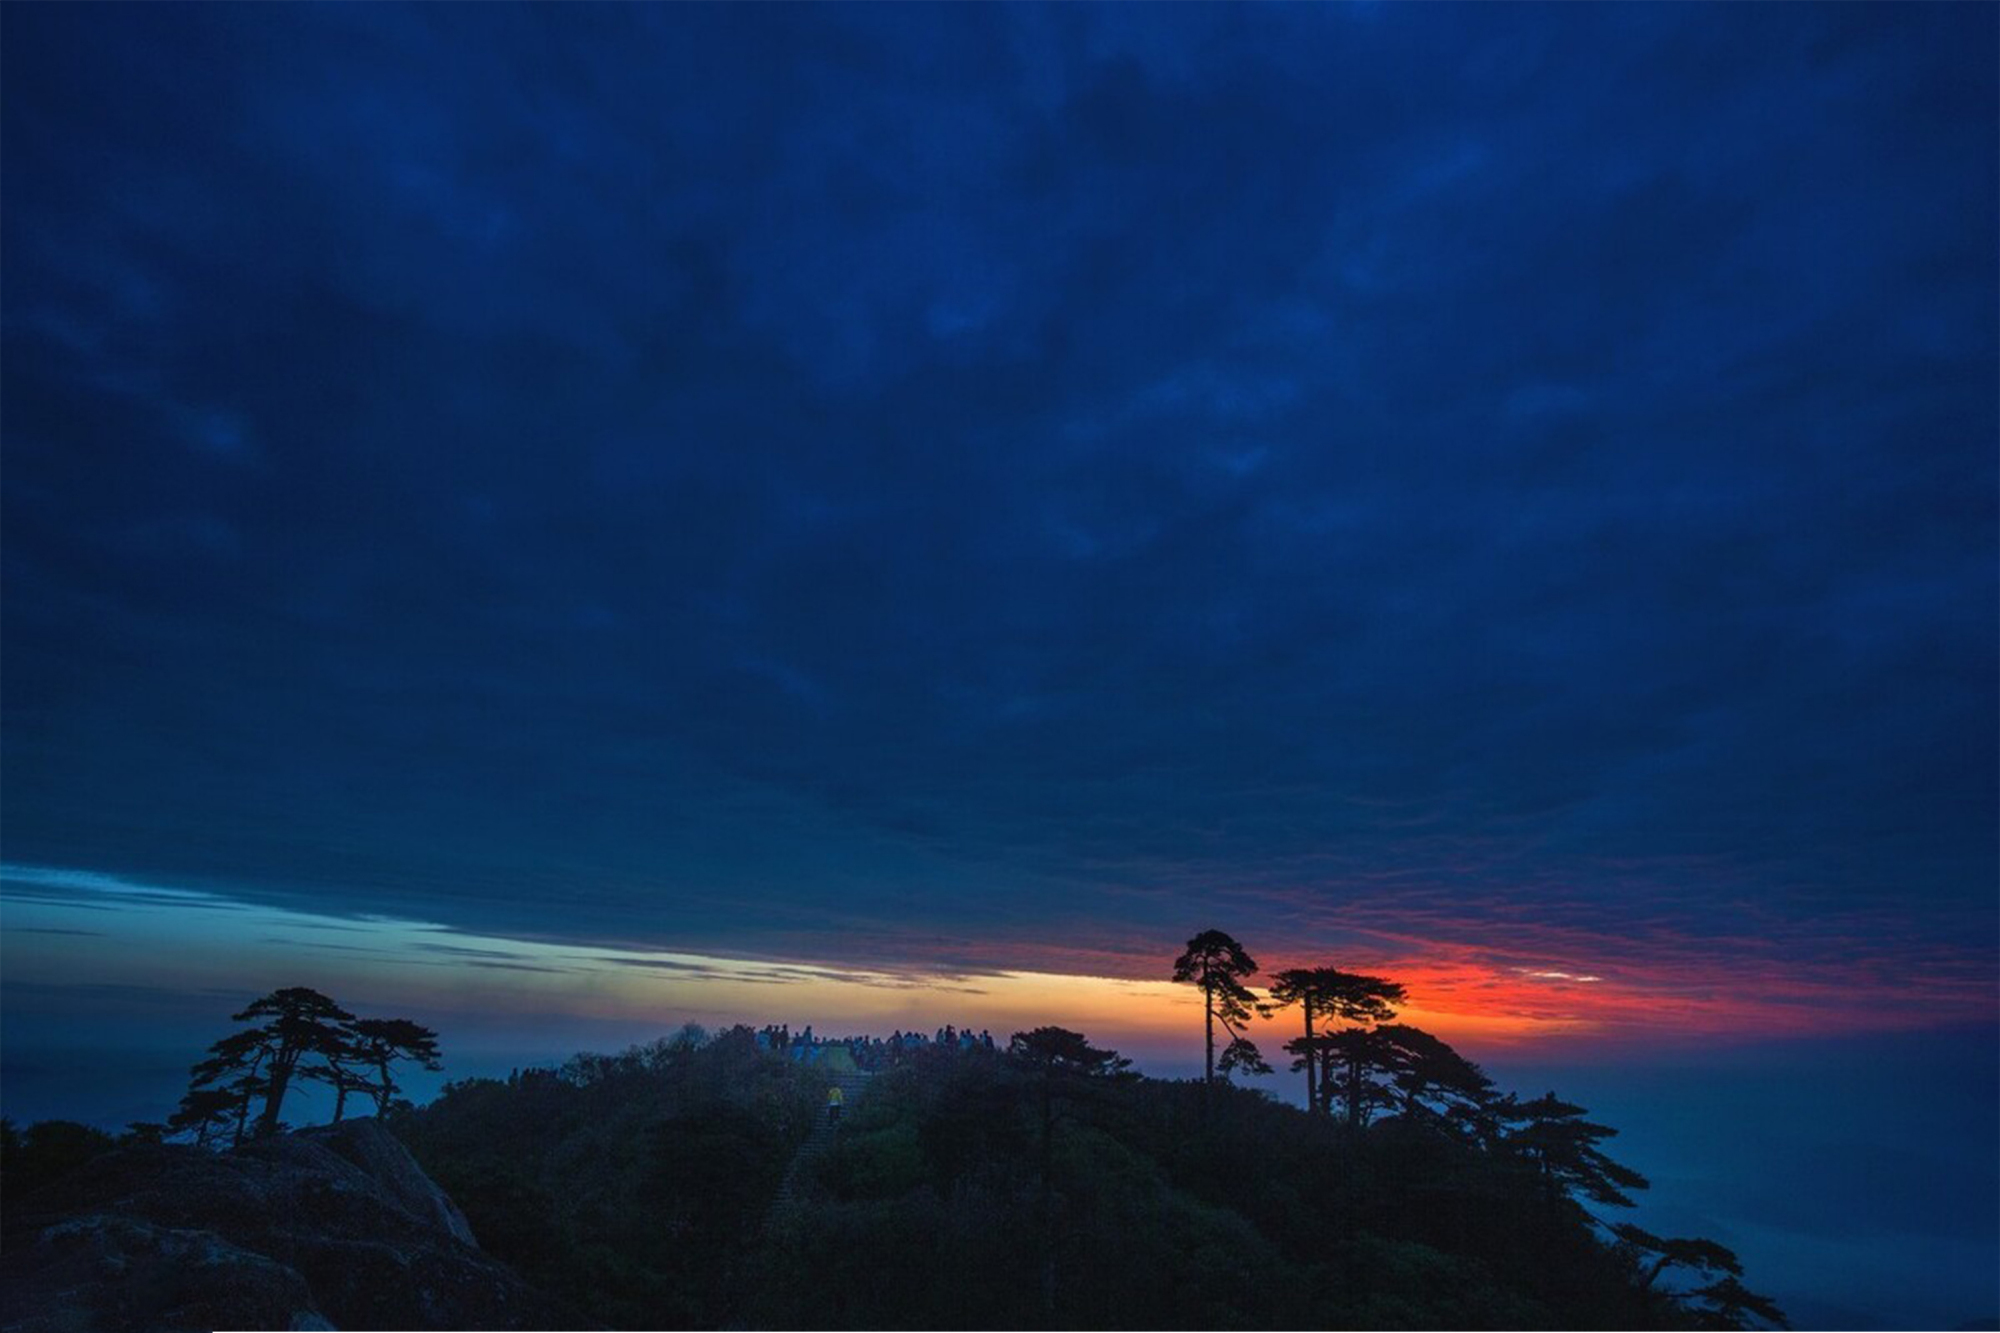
(756, 1181)
(973, 1188)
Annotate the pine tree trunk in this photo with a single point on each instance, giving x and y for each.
(274, 1098)
(1208, 1012)
(243, 1103)
(1312, 1061)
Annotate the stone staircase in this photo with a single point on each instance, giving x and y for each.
(786, 1202)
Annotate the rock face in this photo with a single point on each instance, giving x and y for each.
(326, 1228)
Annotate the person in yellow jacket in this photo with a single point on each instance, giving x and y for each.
(833, 1103)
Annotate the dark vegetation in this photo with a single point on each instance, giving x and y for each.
(633, 1185)
(1041, 1185)
(1047, 1185)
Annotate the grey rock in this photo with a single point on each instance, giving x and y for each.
(335, 1227)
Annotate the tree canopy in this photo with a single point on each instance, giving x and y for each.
(382, 1042)
(1058, 1050)
(299, 1023)
(1553, 1135)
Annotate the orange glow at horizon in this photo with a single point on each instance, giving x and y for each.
(62, 927)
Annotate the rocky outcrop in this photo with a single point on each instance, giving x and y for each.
(327, 1228)
(383, 1159)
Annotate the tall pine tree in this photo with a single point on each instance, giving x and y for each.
(1217, 963)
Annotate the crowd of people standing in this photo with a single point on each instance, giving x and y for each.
(869, 1053)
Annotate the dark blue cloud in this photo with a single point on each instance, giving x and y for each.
(919, 480)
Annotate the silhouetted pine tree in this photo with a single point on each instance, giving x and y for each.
(299, 1022)
(381, 1042)
(207, 1114)
(235, 1069)
(1561, 1145)
(1328, 992)
(304, 1035)
(1434, 1081)
(1215, 962)
(1295, 986)
(344, 1068)
(1724, 1302)
(1359, 1062)
(1057, 1053)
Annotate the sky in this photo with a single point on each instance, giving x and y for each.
(564, 521)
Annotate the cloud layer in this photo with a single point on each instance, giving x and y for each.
(1010, 487)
